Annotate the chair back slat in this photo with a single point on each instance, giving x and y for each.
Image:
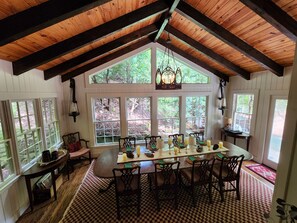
(175, 139)
(151, 141)
(166, 174)
(202, 168)
(127, 142)
(230, 167)
(125, 179)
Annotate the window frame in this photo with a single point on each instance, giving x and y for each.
(25, 134)
(7, 139)
(94, 122)
(54, 122)
(255, 105)
(150, 119)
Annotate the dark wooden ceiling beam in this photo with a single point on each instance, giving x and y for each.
(165, 19)
(194, 60)
(275, 16)
(218, 31)
(63, 67)
(50, 53)
(208, 52)
(105, 59)
(41, 16)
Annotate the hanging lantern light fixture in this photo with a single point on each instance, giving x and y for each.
(168, 75)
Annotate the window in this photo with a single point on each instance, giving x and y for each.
(243, 111)
(195, 113)
(134, 70)
(106, 118)
(6, 160)
(50, 122)
(168, 115)
(139, 117)
(189, 75)
(27, 131)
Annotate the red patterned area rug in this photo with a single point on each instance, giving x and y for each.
(88, 205)
(263, 171)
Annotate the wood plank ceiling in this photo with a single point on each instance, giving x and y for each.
(226, 37)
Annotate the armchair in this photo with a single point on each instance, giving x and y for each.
(77, 147)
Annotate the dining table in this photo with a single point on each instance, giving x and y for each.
(110, 159)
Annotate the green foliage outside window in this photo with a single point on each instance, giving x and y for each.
(189, 75)
(195, 113)
(134, 70)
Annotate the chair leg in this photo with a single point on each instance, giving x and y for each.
(175, 197)
(193, 196)
(118, 207)
(138, 202)
(221, 185)
(209, 192)
(157, 199)
(237, 190)
(90, 158)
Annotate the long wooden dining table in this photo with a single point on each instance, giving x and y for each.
(108, 160)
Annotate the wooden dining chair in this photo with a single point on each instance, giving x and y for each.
(127, 188)
(228, 171)
(198, 177)
(175, 139)
(199, 136)
(127, 144)
(164, 182)
(151, 142)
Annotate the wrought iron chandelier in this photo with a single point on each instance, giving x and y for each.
(168, 76)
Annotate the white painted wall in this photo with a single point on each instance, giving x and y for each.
(13, 198)
(264, 84)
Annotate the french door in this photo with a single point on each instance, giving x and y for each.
(275, 128)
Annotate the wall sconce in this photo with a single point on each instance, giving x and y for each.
(222, 99)
(73, 108)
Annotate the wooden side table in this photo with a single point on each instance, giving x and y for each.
(235, 136)
(37, 171)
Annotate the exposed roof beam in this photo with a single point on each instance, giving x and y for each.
(105, 59)
(194, 60)
(50, 53)
(208, 52)
(41, 16)
(218, 31)
(165, 18)
(275, 16)
(61, 68)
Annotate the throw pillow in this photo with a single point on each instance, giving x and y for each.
(72, 147)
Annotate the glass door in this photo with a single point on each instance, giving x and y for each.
(275, 130)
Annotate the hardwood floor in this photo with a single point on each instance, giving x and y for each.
(52, 211)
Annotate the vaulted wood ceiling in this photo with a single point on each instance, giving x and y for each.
(70, 37)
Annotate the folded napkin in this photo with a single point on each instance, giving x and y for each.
(220, 155)
(161, 161)
(192, 158)
(153, 146)
(128, 165)
(128, 149)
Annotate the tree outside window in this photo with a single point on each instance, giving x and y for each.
(50, 122)
(139, 117)
(28, 133)
(134, 70)
(106, 118)
(189, 75)
(243, 112)
(195, 114)
(168, 115)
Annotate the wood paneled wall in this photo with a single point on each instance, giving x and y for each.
(13, 198)
(267, 85)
